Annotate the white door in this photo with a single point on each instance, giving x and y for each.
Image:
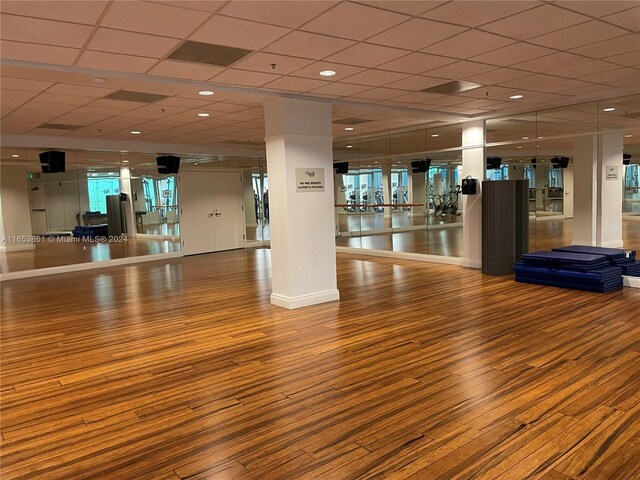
(212, 217)
(227, 210)
(55, 207)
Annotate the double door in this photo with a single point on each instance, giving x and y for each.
(211, 211)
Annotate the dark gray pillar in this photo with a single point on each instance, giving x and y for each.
(505, 225)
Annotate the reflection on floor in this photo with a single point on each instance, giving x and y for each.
(260, 232)
(164, 229)
(448, 241)
(68, 251)
(358, 222)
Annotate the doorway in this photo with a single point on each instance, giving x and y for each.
(211, 211)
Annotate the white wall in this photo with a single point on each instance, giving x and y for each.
(610, 191)
(15, 212)
(473, 154)
(585, 206)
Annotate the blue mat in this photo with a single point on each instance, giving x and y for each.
(565, 260)
(612, 254)
(599, 280)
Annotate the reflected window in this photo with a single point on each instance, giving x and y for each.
(100, 185)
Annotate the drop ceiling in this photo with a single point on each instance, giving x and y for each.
(63, 61)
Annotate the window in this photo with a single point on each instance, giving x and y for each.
(99, 187)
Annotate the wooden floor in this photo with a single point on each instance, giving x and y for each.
(184, 370)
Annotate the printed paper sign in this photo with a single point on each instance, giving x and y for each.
(612, 172)
(309, 179)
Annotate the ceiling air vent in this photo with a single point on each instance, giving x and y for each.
(59, 126)
(208, 54)
(130, 96)
(451, 88)
(352, 121)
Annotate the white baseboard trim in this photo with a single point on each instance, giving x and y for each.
(633, 282)
(614, 244)
(470, 263)
(304, 300)
(148, 236)
(416, 257)
(17, 247)
(78, 267)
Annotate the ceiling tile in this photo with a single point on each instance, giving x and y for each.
(30, 52)
(295, 84)
(366, 55)
(272, 63)
(585, 68)
(631, 59)
(417, 82)
(532, 23)
(244, 78)
(562, 86)
(85, 12)
(416, 63)
(578, 35)
(15, 98)
(513, 54)
(115, 61)
(117, 41)
(459, 70)
(81, 90)
(350, 20)
(339, 89)
(375, 78)
(597, 8)
(409, 7)
(474, 13)
(551, 62)
(282, 13)
(499, 75)
(210, 6)
(63, 99)
(342, 71)
(611, 75)
(233, 32)
(308, 45)
(416, 34)
(629, 19)
(25, 85)
(379, 94)
(154, 18)
(607, 48)
(191, 71)
(47, 32)
(468, 44)
(592, 88)
(531, 82)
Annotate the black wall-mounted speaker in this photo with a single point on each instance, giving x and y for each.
(342, 167)
(494, 163)
(420, 166)
(560, 162)
(626, 158)
(168, 164)
(52, 162)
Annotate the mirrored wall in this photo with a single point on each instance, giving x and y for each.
(105, 205)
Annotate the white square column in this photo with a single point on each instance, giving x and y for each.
(472, 164)
(610, 190)
(585, 190)
(598, 192)
(303, 252)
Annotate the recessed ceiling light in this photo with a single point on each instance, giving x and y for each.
(608, 109)
(203, 114)
(349, 146)
(16, 156)
(125, 161)
(516, 97)
(135, 132)
(626, 136)
(434, 135)
(540, 137)
(518, 147)
(99, 81)
(205, 92)
(94, 174)
(327, 73)
(348, 129)
(525, 138)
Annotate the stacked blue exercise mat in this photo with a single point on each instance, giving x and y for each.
(625, 259)
(91, 231)
(580, 271)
